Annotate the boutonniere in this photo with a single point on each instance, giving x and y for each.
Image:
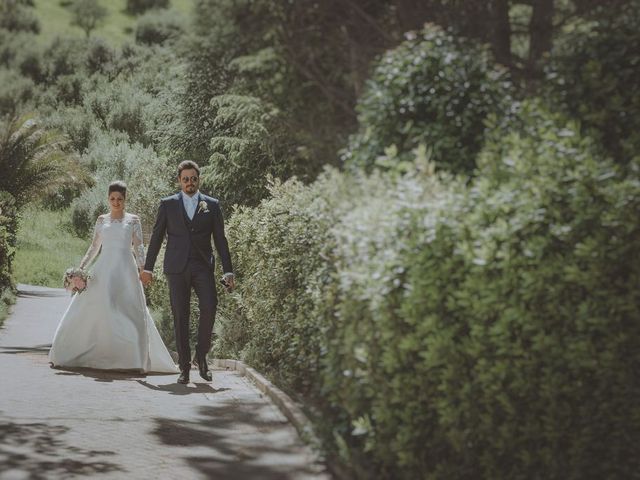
(203, 207)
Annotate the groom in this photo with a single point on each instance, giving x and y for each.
(189, 219)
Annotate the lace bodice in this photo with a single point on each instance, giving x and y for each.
(122, 233)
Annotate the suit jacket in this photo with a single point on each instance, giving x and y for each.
(184, 234)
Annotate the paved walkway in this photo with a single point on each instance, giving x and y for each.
(87, 423)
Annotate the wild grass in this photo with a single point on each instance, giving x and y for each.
(46, 247)
(55, 19)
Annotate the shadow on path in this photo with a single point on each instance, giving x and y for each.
(37, 451)
(178, 389)
(235, 437)
(101, 375)
(41, 293)
(40, 349)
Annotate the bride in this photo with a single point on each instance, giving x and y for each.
(108, 326)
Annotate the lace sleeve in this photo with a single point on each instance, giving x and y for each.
(94, 248)
(137, 241)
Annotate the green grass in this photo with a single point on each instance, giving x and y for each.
(46, 247)
(55, 20)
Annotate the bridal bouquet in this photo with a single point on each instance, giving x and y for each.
(75, 280)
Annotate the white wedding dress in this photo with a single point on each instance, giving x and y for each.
(108, 326)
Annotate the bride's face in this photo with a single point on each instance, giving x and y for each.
(116, 202)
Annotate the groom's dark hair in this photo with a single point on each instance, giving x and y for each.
(118, 186)
(188, 165)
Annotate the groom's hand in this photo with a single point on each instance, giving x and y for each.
(229, 281)
(146, 278)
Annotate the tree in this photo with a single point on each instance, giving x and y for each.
(87, 14)
(33, 161)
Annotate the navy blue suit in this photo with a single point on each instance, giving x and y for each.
(189, 262)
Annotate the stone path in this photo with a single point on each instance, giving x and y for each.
(86, 423)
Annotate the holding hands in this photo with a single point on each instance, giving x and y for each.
(228, 280)
(146, 278)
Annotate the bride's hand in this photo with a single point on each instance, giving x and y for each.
(146, 278)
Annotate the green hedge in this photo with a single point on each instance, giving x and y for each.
(438, 330)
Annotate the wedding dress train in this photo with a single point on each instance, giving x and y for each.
(108, 326)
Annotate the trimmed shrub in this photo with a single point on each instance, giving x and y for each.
(434, 89)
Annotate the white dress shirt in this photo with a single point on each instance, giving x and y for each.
(190, 203)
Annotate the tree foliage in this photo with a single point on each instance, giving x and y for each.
(88, 14)
(34, 161)
(15, 16)
(593, 75)
(434, 90)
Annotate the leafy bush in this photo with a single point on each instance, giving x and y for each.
(136, 7)
(159, 26)
(79, 126)
(119, 106)
(507, 333)
(65, 56)
(100, 56)
(15, 16)
(8, 228)
(278, 253)
(15, 92)
(444, 331)
(148, 178)
(70, 89)
(13, 45)
(434, 89)
(594, 76)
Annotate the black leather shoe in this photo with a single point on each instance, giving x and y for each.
(184, 377)
(203, 368)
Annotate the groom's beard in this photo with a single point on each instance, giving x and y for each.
(191, 189)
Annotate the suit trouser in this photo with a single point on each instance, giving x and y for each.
(200, 276)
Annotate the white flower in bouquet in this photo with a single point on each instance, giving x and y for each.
(75, 280)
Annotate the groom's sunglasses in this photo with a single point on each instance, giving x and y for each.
(194, 179)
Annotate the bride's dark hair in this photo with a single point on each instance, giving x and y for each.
(118, 186)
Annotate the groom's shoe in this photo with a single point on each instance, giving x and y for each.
(184, 376)
(203, 368)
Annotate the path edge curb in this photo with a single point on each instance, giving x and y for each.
(284, 403)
